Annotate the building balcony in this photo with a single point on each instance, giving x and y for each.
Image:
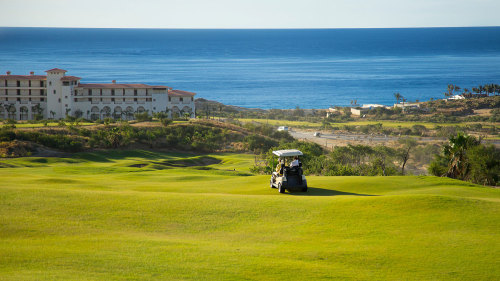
(21, 88)
(23, 96)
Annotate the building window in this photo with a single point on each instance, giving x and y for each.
(154, 99)
(42, 99)
(42, 92)
(59, 100)
(90, 99)
(112, 92)
(29, 92)
(66, 105)
(29, 99)
(5, 83)
(19, 83)
(75, 100)
(100, 92)
(169, 98)
(18, 92)
(65, 97)
(192, 98)
(50, 83)
(54, 92)
(41, 83)
(65, 83)
(18, 99)
(154, 108)
(135, 92)
(29, 83)
(90, 92)
(113, 99)
(181, 99)
(135, 99)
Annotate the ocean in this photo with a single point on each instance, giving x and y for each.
(309, 68)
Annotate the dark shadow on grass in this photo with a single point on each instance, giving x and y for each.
(315, 191)
(112, 155)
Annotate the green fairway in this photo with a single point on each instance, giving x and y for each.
(139, 215)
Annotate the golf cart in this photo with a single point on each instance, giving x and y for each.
(288, 178)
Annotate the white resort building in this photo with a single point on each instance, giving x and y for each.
(55, 95)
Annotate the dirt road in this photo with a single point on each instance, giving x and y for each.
(330, 140)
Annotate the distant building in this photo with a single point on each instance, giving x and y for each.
(407, 105)
(372, 106)
(359, 111)
(56, 95)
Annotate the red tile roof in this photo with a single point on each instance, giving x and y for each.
(70, 78)
(119, 86)
(56, 70)
(179, 93)
(24, 77)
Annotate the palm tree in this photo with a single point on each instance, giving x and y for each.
(451, 88)
(167, 110)
(78, 113)
(496, 88)
(456, 153)
(24, 111)
(38, 111)
(107, 111)
(480, 89)
(398, 96)
(129, 113)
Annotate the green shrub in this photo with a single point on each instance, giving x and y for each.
(142, 117)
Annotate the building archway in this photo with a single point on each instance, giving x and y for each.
(106, 111)
(187, 109)
(94, 113)
(129, 112)
(140, 109)
(11, 110)
(176, 112)
(23, 113)
(117, 112)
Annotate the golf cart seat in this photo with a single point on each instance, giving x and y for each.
(294, 171)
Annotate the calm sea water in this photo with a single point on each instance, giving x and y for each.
(309, 68)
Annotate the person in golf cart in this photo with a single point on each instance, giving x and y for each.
(288, 176)
(280, 167)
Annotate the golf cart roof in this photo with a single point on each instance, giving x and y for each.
(287, 152)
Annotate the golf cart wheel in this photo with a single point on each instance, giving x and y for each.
(271, 183)
(281, 188)
(304, 189)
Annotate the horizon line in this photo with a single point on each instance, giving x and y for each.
(252, 28)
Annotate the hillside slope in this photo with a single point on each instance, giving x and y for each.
(129, 215)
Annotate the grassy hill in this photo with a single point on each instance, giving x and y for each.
(129, 215)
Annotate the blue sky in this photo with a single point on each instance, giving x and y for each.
(249, 13)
